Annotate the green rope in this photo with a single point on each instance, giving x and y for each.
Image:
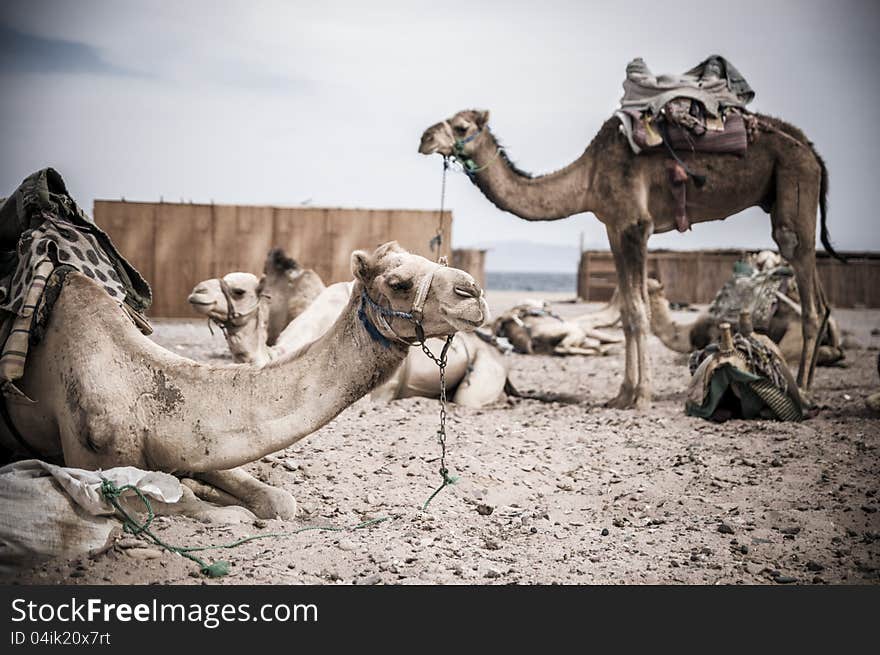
(447, 480)
(217, 569)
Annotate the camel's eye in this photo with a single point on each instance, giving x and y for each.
(238, 293)
(399, 284)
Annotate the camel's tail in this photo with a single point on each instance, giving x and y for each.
(544, 397)
(823, 210)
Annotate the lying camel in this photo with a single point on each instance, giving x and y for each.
(104, 395)
(476, 373)
(290, 290)
(532, 328)
(784, 329)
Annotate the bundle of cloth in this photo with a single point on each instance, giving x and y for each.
(701, 110)
(44, 235)
(743, 375)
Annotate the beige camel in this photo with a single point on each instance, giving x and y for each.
(533, 329)
(476, 373)
(104, 395)
(630, 195)
(783, 330)
(290, 289)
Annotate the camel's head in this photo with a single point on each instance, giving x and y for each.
(239, 298)
(655, 288)
(765, 260)
(281, 272)
(397, 280)
(455, 136)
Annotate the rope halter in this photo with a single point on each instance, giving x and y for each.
(235, 319)
(386, 315)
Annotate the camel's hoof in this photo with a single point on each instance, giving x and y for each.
(275, 503)
(623, 400)
(807, 401)
(873, 402)
(231, 515)
(629, 400)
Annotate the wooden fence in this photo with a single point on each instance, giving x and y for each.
(696, 276)
(175, 246)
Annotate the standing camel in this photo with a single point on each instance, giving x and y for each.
(781, 172)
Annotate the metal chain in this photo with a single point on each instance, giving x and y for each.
(441, 431)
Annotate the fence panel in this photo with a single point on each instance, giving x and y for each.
(183, 256)
(177, 245)
(131, 226)
(696, 276)
(242, 237)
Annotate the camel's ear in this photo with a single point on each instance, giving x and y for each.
(482, 118)
(361, 266)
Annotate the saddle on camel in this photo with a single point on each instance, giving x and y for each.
(699, 111)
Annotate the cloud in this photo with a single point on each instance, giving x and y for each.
(28, 53)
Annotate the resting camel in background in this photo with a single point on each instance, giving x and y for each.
(781, 172)
(105, 395)
(533, 329)
(783, 330)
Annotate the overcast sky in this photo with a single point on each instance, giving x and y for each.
(285, 102)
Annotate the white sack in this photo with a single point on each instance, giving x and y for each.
(54, 511)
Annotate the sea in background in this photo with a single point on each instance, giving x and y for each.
(531, 281)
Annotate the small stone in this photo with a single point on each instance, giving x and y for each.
(724, 528)
(604, 532)
(792, 530)
(813, 565)
(77, 574)
(291, 464)
(143, 553)
(493, 573)
(371, 579)
(491, 544)
(744, 549)
(346, 544)
(784, 579)
(260, 524)
(776, 462)
(484, 510)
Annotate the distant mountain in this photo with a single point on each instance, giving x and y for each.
(528, 256)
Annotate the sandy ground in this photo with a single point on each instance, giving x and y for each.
(555, 493)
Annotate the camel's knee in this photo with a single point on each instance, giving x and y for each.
(787, 240)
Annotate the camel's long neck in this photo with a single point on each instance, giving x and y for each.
(673, 335)
(543, 198)
(247, 342)
(237, 415)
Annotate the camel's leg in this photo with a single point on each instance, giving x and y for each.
(794, 231)
(209, 493)
(792, 343)
(192, 506)
(629, 247)
(576, 350)
(264, 500)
